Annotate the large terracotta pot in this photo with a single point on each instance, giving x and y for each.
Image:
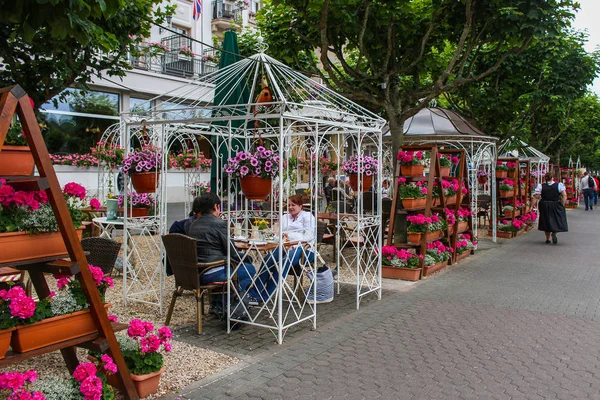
(52, 330)
(410, 204)
(367, 182)
(414, 238)
(501, 174)
(17, 246)
(428, 270)
(444, 171)
(5, 335)
(255, 187)
(144, 182)
(144, 384)
(16, 161)
(412, 170)
(406, 274)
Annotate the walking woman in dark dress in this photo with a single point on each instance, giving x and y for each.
(551, 198)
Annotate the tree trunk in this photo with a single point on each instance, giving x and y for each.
(397, 134)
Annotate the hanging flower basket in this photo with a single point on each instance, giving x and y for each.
(52, 330)
(256, 187)
(16, 161)
(5, 335)
(405, 274)
(367, 182)
(18, 246)
(144, 182)
(412, 170)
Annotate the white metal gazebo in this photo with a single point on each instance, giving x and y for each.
(225, 109)
(515, 147)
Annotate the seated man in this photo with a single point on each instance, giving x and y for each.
(210, 233)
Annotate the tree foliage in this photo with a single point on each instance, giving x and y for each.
(51, 44)
(395, 56)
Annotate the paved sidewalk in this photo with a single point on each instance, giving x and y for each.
(519, 320)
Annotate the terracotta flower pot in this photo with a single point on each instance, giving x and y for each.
(462, 256)
(428, 270)
(451, 199)
(52, 330)
(414, 238)
(17, 246)
(367, 182)
(433, 235)
(147, 384)
(482, 179)
(410, 204)
(506, 193)
(137, 211)
(5, 335)
(255, 187)
(405, 274)
(463, 226)
(501, 174)
(412, 170)
(16, 161)
(444, 171)
(144, 182)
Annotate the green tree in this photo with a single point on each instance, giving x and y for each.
(50, 45)
(396, 56)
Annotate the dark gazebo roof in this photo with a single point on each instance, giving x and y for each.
(440, 123)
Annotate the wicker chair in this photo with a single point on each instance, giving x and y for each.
(102, 252)
(181, 252)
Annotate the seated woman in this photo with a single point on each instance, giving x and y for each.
(297, 226)
(210, 233)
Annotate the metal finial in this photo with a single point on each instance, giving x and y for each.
(261, 46)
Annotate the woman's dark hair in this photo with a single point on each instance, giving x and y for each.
(296, 199)
(549, 176)
(204, 204)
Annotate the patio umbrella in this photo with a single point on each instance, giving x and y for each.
(230, 91)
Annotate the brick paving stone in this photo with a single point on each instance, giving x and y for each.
(518, 320)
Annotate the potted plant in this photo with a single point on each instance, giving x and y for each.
(463, 215)
(419, 225)
(360, 165)
(186, 51)
(190, 159)
(464, 246)
(15, 308)
(255, 170)
(15, 157)
(143, 167)
(108, 154)
(450, 189)
(198, 188)
(450, 220)
(446, 162)
(400, 264)
(412, 163)
(412, 194)
(482, 176)
(155, 48)
(83, 161)
(436, 257)
(140, 204)
(564, 172)
(505, 229)
(141, 350)
(506, 188)
(89, 381)
(62, 316)
(501, 170)
(511, 166)
(28, 228)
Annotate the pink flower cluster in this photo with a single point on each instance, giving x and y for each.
(75, 160)
(411, 157)
(262, 162)
(464, 214)
(439, 247)
(19, 198)
(87, 375)
(190, 159)
(145, 200)
(529, 218)
(148, 159)
(111, 154)
(95, 204)
(447, 159)
(518, 224)
(143, 332)
(20, 305)
(75, 190)
(405, 257)
(359, 164)
(511, 165)
(16, 382)
(450, 216)
(100, 279)
(464, 243)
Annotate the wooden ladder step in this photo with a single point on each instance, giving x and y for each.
(100, 345)
(30, 183)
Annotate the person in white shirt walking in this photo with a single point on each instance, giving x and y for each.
(587, 188)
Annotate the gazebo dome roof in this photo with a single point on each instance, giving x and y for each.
(514, 147)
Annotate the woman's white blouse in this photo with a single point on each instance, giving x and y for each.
(301, 228)
(561, 187)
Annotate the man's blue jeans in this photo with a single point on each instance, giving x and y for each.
(588, 197)
(219, 274)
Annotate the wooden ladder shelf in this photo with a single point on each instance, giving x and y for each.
(13, 100)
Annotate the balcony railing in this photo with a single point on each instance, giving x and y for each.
(171, 63)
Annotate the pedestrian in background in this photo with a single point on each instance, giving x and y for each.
(597, 182)
(550, 199)
(587, 188)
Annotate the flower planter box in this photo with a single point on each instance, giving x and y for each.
(18, 246)
(502, 234)
(255, 187)
(519, 232)
(412, 170)
(431, 236)
(5, 335)
(501, 174)
(16, 161)
(405, 274)
(451, 199)
(463, 226)
(507, 193)
(462, 256)
(429, 270)
(412, 204)
(444, 171)
(53, 330)
(367, 182)
(144, 182)
(528, 228)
